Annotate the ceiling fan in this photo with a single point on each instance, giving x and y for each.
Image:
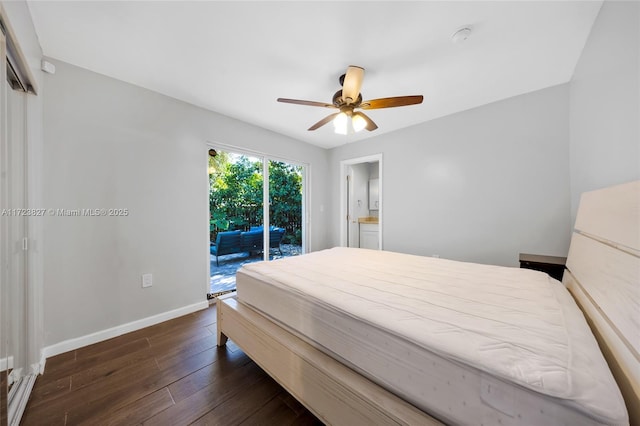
(347, 120)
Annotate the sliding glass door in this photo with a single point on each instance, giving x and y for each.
(249, 220)
(236, 214)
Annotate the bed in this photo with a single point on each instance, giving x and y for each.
(368, 337)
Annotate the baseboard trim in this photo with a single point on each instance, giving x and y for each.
(41, 365)
(6, 363)
(90, 339)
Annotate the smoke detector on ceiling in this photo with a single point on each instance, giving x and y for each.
(461, 35)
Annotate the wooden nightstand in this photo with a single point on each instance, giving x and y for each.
(552, 265)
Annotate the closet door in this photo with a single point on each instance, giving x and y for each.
(16, 216)
(4, 270)
(13, 247)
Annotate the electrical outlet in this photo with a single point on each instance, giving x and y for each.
(435, 255)
(147, 280)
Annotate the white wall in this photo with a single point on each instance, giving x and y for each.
(604, 103)
(482, 185)
(109, 144)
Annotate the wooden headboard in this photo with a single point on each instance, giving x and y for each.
(603, 274)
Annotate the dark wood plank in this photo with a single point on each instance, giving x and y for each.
(292, 403)
(109, 393)
(170, 373)
(276, 411)
(307, 419)
(58, 360)
(45, 391)
(3, 397)
(166, 342)
(93, 357)
(175, 353)
(138, 385)
(195, 406)
(51, 418)
(235, 410)
(225, 365)
(138, 411)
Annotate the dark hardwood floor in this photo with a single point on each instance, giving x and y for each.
(3, 397)
(168, 374)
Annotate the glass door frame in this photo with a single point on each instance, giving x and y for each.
(266, 158)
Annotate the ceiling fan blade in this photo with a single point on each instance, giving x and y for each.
(308, 103)
(391, 102)
(324, 121)
(370, 124)
(352, 83)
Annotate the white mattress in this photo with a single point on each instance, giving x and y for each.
(467, 343)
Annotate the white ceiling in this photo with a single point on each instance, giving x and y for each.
(236, 58)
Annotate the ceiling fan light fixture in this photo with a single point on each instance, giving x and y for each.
(346, 120)
(359, 123)
(341, 124)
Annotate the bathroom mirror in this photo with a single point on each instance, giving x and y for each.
(374, 199)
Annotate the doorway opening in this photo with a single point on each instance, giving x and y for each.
(361, 202)
(256, 211)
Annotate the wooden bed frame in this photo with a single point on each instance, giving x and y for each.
(603, 276)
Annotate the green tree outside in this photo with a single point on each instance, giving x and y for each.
(235, 195)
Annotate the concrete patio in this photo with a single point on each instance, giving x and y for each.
(223, 277)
